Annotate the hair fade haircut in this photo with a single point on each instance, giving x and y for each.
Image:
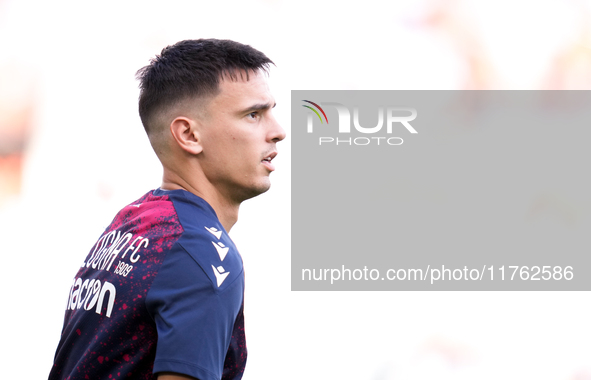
(190, 69)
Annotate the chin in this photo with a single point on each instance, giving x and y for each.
(256, 190)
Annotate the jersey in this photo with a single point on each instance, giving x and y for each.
(162, 290)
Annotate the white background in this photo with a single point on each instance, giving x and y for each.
(88, 156)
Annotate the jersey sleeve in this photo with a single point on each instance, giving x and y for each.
(194, 315)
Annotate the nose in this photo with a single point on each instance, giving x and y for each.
(276, 132)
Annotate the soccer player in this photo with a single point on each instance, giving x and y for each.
(160, 295)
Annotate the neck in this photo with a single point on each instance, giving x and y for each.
(225, 209)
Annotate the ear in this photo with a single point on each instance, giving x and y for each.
(185, 132)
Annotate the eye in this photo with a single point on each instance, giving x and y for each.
(253, 115)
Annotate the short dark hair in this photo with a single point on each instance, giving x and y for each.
(193, 68)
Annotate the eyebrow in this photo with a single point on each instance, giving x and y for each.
(258, 107)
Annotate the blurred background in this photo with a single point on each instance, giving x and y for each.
(73, 152)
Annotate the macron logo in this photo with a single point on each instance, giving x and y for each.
(215, 232)
(219, 274)
(222, 249)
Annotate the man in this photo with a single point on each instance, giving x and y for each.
(160, 295)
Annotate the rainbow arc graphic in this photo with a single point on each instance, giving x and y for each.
(316, 112)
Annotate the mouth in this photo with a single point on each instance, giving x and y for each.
(267, 161)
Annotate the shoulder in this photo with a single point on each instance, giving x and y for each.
(204, 239)
(191, 210)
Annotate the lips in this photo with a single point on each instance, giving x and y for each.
(267, 161)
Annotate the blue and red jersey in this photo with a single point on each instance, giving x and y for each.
(162, 290)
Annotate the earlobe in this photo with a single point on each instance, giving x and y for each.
(184, 131)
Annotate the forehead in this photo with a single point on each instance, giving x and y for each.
(240, 93)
